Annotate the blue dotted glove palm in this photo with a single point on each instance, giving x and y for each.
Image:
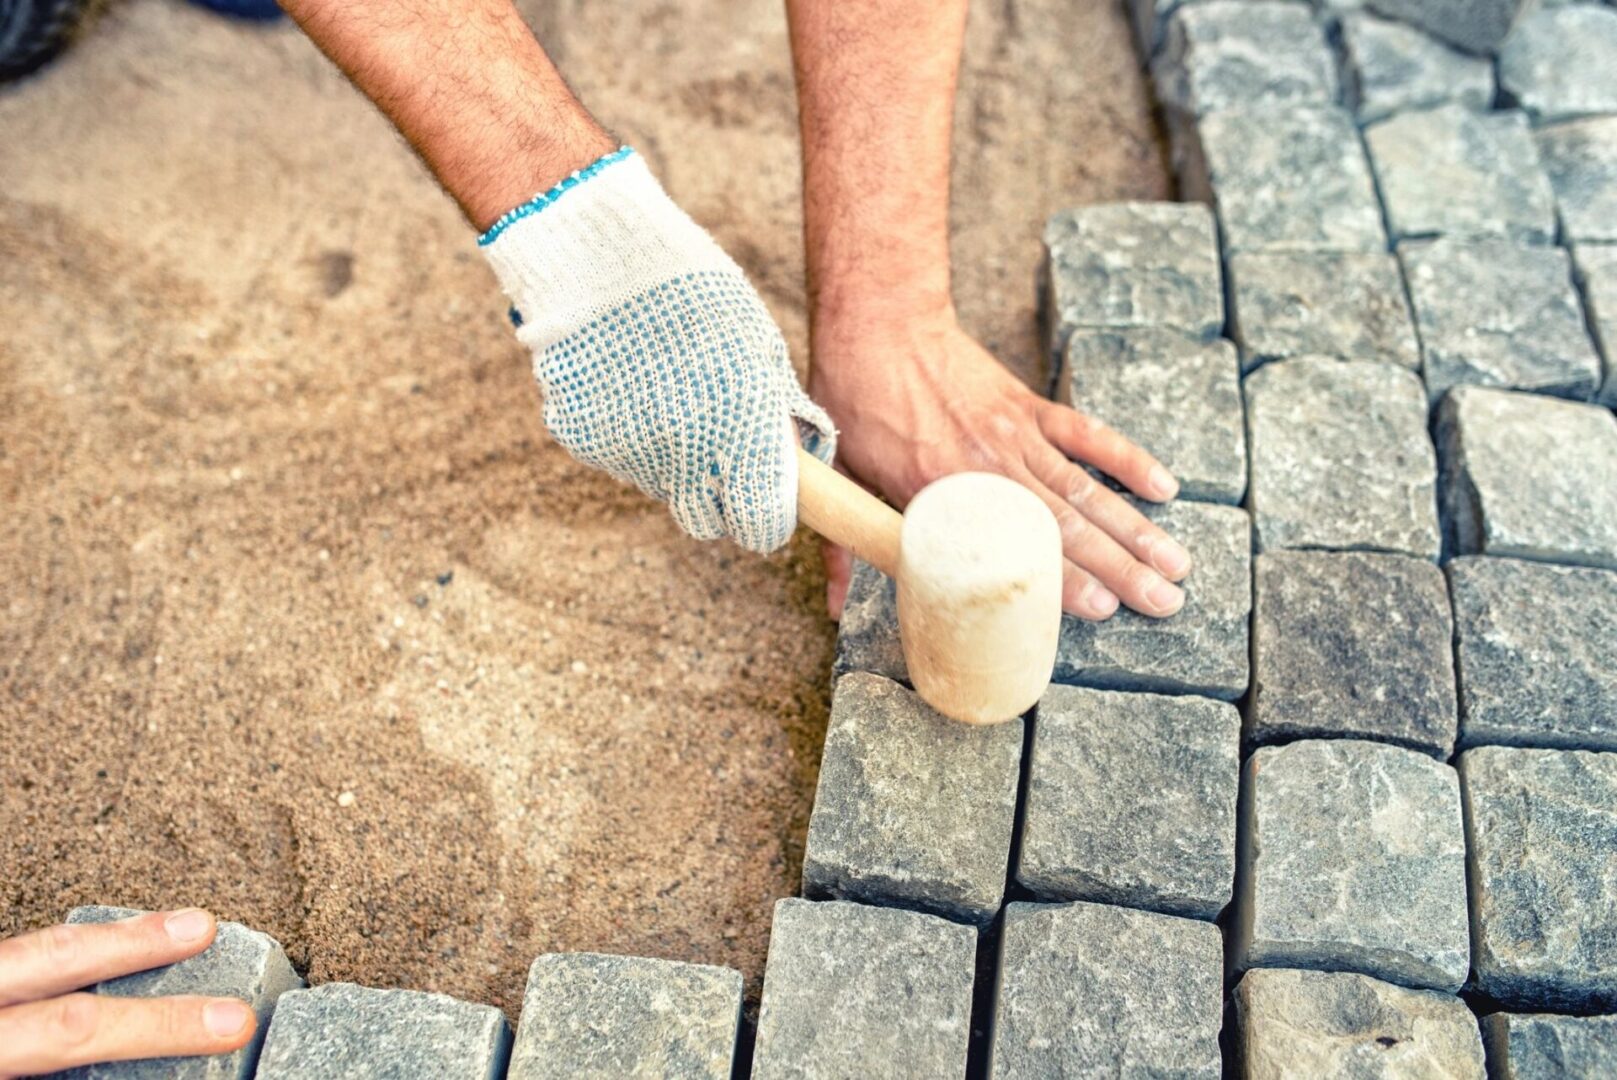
(658, 360)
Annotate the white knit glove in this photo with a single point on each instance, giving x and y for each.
(658, 361)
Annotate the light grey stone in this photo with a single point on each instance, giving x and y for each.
(1537, 652)
(594, 1017)
(1529, 476)
(1561, 63)
(1542, 830)
(867, 637)
(1349, 305)
(1477, 26)
(1541, 1046)
(241, 963)
(862, 991)
(1355, 862)
(1244, 52)
(1341, 458)
(1178, 398)
(1131, 800)
(1451, 171)
(339, 1031)
(913, 809)
(1202, 649)
(1335, 1023)
(1091, 990)
(1352, 644)
(1580, 157)
(1595, 268)
(1127, 265)
(1389, 67)
(1492, 313)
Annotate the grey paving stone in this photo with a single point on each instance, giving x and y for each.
(1335, 1023)
(1541, 1046)
(1537, 652)
(1492, 313)
(851, 990)
(913, 809)
(1528, 476)
(1542, 826)
(1452, 171)
(1580, 157)
(1178, 398)
(1389, 67)
(1352, 644)
(1201, 650)
(1595, 268)
(1091, 990)
(1244, 52)
(1282, 178)
(1349, 305)
(1126, 265)
(241, 963)
(867, 637)
(1561, 62)
(1131, 800)
(1340, 458)
(339, 1031)
(1355, 862)
(1477, 26)
(596, 1017)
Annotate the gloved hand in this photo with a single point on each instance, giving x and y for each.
(658, 361)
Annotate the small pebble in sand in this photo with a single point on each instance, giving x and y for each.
(324, 555)
(579, 667)
(345, 800)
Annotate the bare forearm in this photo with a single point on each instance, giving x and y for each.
(468, 86)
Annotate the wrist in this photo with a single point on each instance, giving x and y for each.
(507, 182)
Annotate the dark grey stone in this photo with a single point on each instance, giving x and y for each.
(1542, 828)
(339, 1031)
(1529, 476)
(851, 990)
(1561, 63)
(1580, 157)
(1131, 800)
(1542, 1046)
(1341, 458)
(1335, 1023)
(1537, 652)
(1352, 644)
(1349, 305)
(1390, 68)
(1492, 313)
(1595, 267)
(594, 1017)
(1477, 26)
(1244, 52)
(1202, 649)
(1091, 990)
(867, 636)
(1178, 398)
(913, 809)
(1451, 171)
(1355, 861)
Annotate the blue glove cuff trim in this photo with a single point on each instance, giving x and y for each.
(539, 202)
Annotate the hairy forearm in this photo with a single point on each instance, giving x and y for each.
(468, 86)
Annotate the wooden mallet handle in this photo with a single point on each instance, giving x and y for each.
(845, 513)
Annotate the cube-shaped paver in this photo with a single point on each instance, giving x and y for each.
(1561, 63)
(1349, 305)
(1355, 862)
(1202, 649)
(1127, 265)
(1092, 990)
(1595, 267)
(1529, 476)
(1543, 1046)
(241, 963)
(1390, 67)
(595, 1017)
(913, 809)
(1452, 171)
(1542, 830)
(867, 635)
(1378, 667)
(1336, 1023)
(1477, 26)
(1494, 313)
(1537, 651)
(851, 990)
(1176, 397)
(1340, 458)
(1225, 53)
(1580, 157)
(1282, 178)
(1131, 800)
(339, 1031)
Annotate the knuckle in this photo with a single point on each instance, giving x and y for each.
(73, 1022)
(1072, 524)
(178, 1020)
(1081, 489)
(60, 947)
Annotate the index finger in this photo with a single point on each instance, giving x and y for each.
(60, 958)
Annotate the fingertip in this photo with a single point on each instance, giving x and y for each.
(190, 927)
(229, 1021)
(1161, 484)
(1087, 598)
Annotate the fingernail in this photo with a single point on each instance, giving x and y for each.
(192, 924)
(1162, 482)
(225, 1018)
(1168, 557)
(1165, 597)
(1098, 600)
